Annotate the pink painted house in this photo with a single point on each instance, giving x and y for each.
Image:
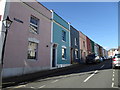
(28, 45)
(83, 46)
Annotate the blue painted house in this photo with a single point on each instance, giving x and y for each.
(60, 38)
(75, 45)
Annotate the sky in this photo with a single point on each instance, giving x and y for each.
(97, 20)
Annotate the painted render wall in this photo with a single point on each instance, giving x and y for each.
(112, 52)
(74, 34)
(92, 46)
(103, 51)
(106, 54)
(83, 49)
(96, 48)
(2, 16)
(58, 25)
(88, 45)
(100, 51)
(15, 61)
(61, 21)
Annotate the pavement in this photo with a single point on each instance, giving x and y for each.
(12, 81)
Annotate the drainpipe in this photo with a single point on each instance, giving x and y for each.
(69, 40)
(51, 42)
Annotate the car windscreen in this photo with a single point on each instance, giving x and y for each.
(91, 56)
(117, 55)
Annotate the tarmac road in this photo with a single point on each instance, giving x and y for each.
(92, 76)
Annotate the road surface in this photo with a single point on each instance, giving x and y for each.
(92, 76)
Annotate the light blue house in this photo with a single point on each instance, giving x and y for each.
(60, 39)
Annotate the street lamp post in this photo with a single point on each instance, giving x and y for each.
(7, 23)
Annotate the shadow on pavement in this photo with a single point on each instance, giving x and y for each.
(75, 69)
(86, 68)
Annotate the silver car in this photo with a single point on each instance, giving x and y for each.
(116, 61)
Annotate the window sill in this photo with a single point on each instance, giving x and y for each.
(32, 59)
(63, 41)
(33, 32)
(64, 59)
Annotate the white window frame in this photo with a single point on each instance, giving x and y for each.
(75, 41)
(76, 53)
(31, 27)
(63, 47)
(63, 37)
(36, 57)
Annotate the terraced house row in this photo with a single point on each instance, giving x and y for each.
(39, 39)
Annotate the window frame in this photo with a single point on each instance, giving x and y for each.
(35, 51)
(84, 44)
(76, 53)
(65, 53)
(75, 41)
(63, 36)
(32, 25)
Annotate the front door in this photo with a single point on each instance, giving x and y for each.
(71, 55)
(54, 55)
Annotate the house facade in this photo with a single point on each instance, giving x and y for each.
(100, 51)
(75, 45)
(92, 46)
(28, 43)
(106, 54)
(88, 46)
(83, 46)
(39, 39)
(60, 41)
(96, 48)
(112, 52)
(103, 51)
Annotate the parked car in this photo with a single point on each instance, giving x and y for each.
(116, 61)
(101, 59)
(92, 59)
(98, 59)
